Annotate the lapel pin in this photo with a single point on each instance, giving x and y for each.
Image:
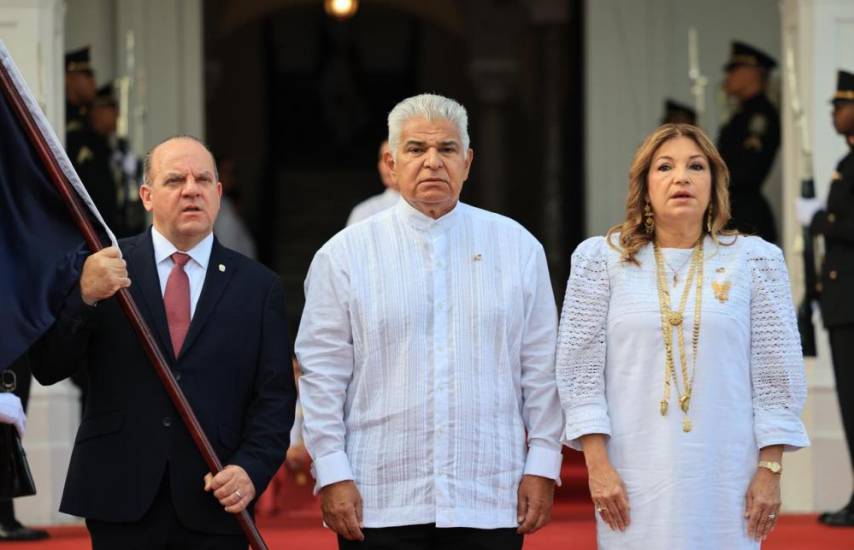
(222, 268)
(477, 257)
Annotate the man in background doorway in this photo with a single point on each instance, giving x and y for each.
(749, 140)
(230, 228)
(377, 203)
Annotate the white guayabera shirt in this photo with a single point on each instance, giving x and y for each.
(427, 352)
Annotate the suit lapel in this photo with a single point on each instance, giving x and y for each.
(145, 288)
(216, 279)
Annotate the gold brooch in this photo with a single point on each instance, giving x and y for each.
(721, 290)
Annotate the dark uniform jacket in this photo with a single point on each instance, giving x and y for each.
(75, 117)
(234, 368)
(837, 225)
(748, 144)
(91, 156)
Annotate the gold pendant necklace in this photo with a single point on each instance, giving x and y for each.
(676, 272)
(671, 320)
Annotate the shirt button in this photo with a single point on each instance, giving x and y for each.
(831, 218)
(833, 275)
(167, 422)
(177, 377)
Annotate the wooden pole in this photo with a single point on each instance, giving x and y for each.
(146, 337)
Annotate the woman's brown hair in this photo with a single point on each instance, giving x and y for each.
(633, 235)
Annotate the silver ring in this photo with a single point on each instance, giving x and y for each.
(600, 509)
(772, 516)
(239, 496)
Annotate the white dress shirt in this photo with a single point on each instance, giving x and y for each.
(231, 231)
(427, 352)
(373, 205)
(195, 269)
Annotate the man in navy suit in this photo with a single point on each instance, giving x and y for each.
(135, 474)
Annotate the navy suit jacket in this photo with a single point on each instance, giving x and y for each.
(235, 369)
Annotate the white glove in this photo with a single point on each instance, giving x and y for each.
(805, 209)
(11, 412)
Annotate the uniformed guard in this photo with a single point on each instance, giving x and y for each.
(89, 155)
(125, 166)
(79, 88)
(678, 113)
(836, 223)
(749, 141)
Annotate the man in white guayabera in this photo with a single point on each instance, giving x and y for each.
(427, 347)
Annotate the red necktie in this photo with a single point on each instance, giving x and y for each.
(177, 301)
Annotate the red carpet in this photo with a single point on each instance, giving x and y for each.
(289, 518)
(793, 533)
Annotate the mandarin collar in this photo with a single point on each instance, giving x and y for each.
(422, 222)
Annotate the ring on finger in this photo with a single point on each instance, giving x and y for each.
(772, 516)
(239, 496)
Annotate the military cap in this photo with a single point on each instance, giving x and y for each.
(678, 112)
(844, 87)
(105, 96)
(745, 54)
(78, 61)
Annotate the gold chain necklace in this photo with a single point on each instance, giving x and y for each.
(674, 320)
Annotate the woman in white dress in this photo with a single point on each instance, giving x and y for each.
(679, 362)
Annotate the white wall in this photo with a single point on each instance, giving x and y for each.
(167, 96)
(636, 56)
(92, 23)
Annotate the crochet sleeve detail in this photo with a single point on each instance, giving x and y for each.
(776, 359)
(581, 349)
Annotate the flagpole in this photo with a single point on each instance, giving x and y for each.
(146, 337)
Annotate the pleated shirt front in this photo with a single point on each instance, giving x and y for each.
(427, 354)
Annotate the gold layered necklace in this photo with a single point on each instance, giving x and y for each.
(673, 320)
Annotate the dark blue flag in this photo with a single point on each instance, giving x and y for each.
(39, 242)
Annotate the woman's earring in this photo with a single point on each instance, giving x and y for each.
(709, 221)
(648, 220)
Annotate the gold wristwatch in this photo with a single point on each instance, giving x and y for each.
(774, 467)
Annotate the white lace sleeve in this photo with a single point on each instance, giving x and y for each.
(580, 363)
(776, 360)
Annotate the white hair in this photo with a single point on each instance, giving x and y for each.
(431, 107)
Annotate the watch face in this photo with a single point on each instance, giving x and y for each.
(773, 466)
